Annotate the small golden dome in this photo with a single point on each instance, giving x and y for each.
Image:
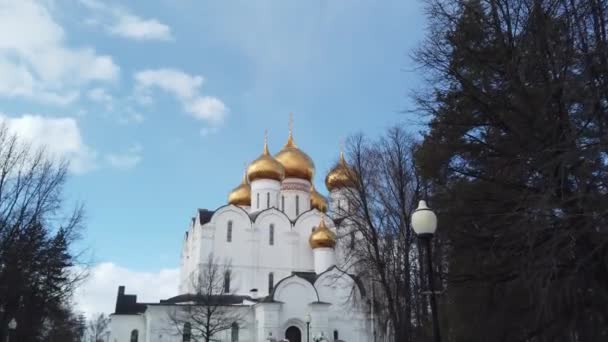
(317, 200)
(265, 167)
(241, 195)
(297, 163)
(340, 176)
(322, 237)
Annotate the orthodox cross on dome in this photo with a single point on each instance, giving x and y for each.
(290, 124)
(245, 180)
(342, 150)
(266, 142)
(290, 142)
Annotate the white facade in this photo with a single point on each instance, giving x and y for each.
(267, 247)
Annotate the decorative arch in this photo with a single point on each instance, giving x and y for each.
(313, 216)
(282, 287)
(275, 216)
(335, 286)
(233, 209)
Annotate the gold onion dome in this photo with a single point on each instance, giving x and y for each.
(297, 163)
(317, 200)
(265, 167)
(241, 195)
(340, 176)
(322, 237)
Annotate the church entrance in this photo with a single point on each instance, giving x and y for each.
(293, 334)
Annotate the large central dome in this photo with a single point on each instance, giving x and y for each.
(297, 164)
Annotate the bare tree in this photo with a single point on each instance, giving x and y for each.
(98, 327)
(210, 309)
(381, 248)
(37, 276)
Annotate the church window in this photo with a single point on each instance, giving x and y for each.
(352, 240)
(187, 333)
(283, 203)
(271, 235)
(227, 282)
(134, 335)
(257, 200)
(270, 282)
(336, 337)
(229, 232)
(268, 200)
(312, 229)
(234, 332)
(297, 205)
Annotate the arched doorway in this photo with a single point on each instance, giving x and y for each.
(293, 334)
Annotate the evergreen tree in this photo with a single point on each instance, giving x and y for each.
(516, 156)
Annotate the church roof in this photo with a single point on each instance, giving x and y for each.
(204, 215)
(209, 300)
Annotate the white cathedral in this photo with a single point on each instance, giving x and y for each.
(279, 237)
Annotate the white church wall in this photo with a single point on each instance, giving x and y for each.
(277, 258)
(121, 327)
(347, 313)
(265, 194)
(296, 294)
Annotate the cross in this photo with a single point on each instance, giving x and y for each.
(290, 123)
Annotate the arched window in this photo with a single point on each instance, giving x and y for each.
(336, 337)
(229, 232)
(257, 200)
(283, 203)
(227, 282)
(134, 335)
(271, 235)
(187, 333)
(352, 240)
(268, 200)
(270, 282)
(339, 206)
(234, 332)
(297, 205)
(312, 229)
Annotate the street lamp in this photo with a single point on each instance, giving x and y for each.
(308, 319)
(12, 326)
(424, 224)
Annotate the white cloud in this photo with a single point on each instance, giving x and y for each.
(100, 95)
(207, 108)
(98, 293)
(173, 81)
(126, 160)
(60, 137)
(119, 21)
(35, 61)
(186, 88)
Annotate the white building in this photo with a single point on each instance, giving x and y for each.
(280, 242)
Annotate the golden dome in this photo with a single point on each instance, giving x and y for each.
(340, 176)
(322, 237)
(297, 163)
(241, 195)
(265, 167)
(317, 200)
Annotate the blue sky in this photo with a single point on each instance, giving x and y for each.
(159, 104)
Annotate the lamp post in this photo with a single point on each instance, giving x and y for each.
(424, 224)
(12, 327)
(308, 319)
